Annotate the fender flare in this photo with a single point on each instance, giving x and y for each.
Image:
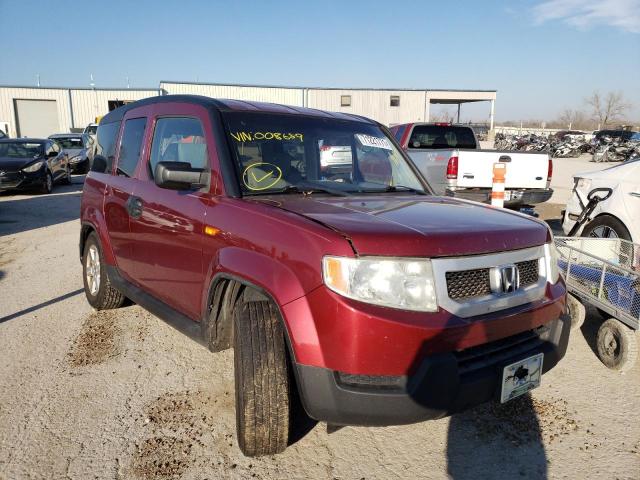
(95, 222)
(268, 279)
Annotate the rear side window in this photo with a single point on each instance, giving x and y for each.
(178, 139)
(441, 136)
(106, 142)
(131, 145)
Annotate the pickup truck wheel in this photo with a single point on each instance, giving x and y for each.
(262, 379)
(617, 345)
(98, 289)
(577, 311)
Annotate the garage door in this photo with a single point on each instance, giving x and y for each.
(36, 118)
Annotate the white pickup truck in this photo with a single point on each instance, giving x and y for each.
(449, 157)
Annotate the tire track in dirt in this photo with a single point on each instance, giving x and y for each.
(98, 340)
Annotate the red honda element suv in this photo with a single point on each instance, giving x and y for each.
(354, 289)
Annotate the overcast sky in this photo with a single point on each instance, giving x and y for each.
(541, 56)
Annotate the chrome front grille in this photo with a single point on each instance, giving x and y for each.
(468, 283)
(528, 272)
(465, 284)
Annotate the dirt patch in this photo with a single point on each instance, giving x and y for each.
(97, 340)
(179, 426)
(525, 419)
(8, 251)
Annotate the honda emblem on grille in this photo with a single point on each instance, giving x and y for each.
(504, 279)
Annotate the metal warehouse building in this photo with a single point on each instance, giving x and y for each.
(41, 111)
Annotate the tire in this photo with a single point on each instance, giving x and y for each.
(577, 311)
(101, 295)
(47, 186)
(617, 345)
(262, 380)
(606, 226)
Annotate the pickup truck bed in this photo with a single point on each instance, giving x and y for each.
(467, 172)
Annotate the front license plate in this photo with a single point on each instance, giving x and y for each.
(521, 377)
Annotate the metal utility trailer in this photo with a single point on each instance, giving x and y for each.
(605, 273)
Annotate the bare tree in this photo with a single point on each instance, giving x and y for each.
(576, 119)
(607, 109)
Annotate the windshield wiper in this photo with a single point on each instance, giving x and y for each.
(309, 189)
(394, 188)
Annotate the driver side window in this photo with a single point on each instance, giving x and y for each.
(179, 139)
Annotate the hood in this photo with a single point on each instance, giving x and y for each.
(15, 164)
(417, 226)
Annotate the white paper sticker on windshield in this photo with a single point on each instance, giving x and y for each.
(375, 142)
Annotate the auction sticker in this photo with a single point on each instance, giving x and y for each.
(375, 142)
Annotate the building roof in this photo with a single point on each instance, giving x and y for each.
(327, 88)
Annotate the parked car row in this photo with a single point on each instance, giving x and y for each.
(38, 164)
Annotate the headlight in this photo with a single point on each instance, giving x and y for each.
(75, 159)
(551, 260)
(391, 282)
(34, 167)
(584, 183)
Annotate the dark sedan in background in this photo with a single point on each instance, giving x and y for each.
(75, 146)
(32, 163)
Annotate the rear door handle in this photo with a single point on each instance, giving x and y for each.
(134, 207)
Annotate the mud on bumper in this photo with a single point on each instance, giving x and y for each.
(442, 384)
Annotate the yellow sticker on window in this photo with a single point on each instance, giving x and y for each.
(261, 176)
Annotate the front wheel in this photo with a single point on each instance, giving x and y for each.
(617, 345)
(67, 176)
(47, 186)
(262, 379)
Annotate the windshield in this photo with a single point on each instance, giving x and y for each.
(20, 150)
(91, 129)
(277, 153)
(69, 142)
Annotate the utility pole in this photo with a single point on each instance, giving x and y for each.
(38, 79)
(128, 86)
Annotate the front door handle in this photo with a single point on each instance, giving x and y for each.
(134, 207)
(635, 194)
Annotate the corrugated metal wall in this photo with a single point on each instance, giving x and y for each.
(7, 104)
(285, 96)
(373, 104)
(89, 104)
(370, 103)
(83, 104)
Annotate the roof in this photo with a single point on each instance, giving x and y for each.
(327, 88)
(24, 140)
(154, 89)
(228, 105)
(66, 135)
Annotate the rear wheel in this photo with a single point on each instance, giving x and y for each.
(100, 294)
(617, 345)
(262, 379)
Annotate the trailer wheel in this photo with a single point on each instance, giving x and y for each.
(617, 345)
(577, 311)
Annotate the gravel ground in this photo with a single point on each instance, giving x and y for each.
(120, 394)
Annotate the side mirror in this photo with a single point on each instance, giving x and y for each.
(52, 154)
(180, 176)
(99, 164)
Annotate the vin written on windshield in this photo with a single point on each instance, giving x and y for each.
(277, 152)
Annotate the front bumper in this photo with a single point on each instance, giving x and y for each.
(518, 197)
(441, 384)
(80, 167)
(21, 180)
